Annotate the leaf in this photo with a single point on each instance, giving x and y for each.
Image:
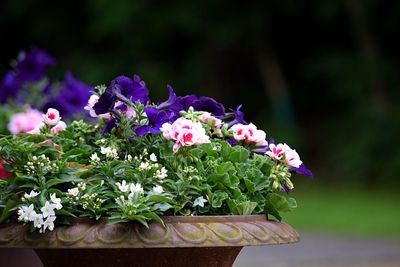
(8, 210)
(64, 212)
(276, 203)
(239, 154)
(163, 206)
(154, 217)
(54, 181)
(217, 198)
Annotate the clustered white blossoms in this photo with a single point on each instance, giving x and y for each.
(109, 152)
(45, 218)
(40, 164)
(32, 121)
(185, 132)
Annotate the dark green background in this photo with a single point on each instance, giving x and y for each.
(322, 76)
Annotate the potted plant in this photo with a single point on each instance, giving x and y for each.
(185, 173)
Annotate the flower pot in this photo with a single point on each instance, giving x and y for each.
(184, 241)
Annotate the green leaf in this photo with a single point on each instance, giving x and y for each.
(239, 154)
(8, 209)
(54, 181)
(217, 198)
(276, 203)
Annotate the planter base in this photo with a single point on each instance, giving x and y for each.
(149, 257)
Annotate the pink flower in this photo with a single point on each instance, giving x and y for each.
(61, 126)
(211, 120)
(276, 151)
(185, 133)
(26, 122)
(52, 117)
(283, 151)
(249, 133)
(292, 158)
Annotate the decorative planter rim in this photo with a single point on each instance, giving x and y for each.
(179, 231)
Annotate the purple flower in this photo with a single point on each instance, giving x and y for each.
(302, 169)
(9, 87)
(205, 103)
(31, 65)
(134, 89)
(72, 97)
(237, 115)
(156, 119)
(109, 126)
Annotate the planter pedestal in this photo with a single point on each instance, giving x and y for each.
(184, 241)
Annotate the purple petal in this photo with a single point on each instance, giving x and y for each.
(303, 170)
(151, 115)
(9, 87)
(205, 103)
(284, 186)
(232, 142)
(109, 126)
(32, 65)
(172, 99)
(260, 149)
(238, 116)
(134, 89)
(142, 130)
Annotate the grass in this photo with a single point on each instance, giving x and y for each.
(350, 210)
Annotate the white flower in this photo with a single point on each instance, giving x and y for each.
(31, 195)
(136, 188)
(60, 126)
(161, 174)
(144, 166)
(123, 187)
(73, 191)
(52, 117)
(157, 190)
(48, 209)
(211, 120)
(37, 219)
(49, 223)
(25, 213)
(94, 158)
(153, 157)
(56, 201)
(91, 102)
(199, 202)
(276, 151)
(110, 152)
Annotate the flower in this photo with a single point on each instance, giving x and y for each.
(157, 190)
(49, 223)
(211, 120)
(61, 126)
(276, 151)
(199, 202)
(110, 152)
(32, 194)
(155, 121)
(72, 97)
(136, 188)
(52, 117)
(37, 219)
(123, 186)
(249, 133)
(292, 158)
(185, 132)
(26, 213)
(56, 201)
(26, 122)
(73, 191)
(48, 209)
(94, 159)
(32, 64)
(153, 157)
(161, 174)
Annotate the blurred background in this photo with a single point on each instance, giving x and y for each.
(322, 76)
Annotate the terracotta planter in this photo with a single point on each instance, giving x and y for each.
(185, 241)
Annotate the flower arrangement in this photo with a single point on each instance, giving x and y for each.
(185, 156)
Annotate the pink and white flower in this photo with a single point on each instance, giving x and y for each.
(52, 117)
(209, 119)
(276, 151)
(185, 132)
(283, 151)
(249, 133)
(26, 122)
(292, 158)
(61, 126)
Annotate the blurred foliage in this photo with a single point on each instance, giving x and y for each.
(320, 75)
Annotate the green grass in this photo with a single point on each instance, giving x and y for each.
(347, 210)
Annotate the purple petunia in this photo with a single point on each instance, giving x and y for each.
(134, 89)
(156, 119)
(9, 87)
(31, 65)
(72, 97)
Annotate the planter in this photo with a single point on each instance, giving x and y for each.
(185, 241)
